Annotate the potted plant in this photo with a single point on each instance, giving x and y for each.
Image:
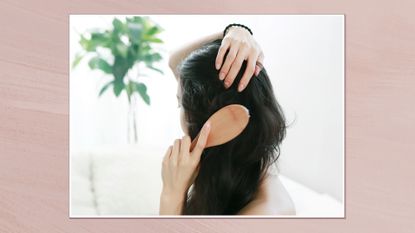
(119, 50)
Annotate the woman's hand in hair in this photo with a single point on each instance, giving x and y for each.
(241, 46)
(179, 169)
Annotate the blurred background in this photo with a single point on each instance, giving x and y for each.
(124, 115)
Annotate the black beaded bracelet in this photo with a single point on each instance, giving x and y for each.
(238, 25)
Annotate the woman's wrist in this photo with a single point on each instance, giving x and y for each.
(171, 203)
(236, 26)
(172, 195)
(239, 31)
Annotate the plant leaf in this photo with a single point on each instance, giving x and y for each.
(141, 89)
(118, 87)
(77, 59)
(154, 40)
(135, 19)
(85, 43)
(118, 26)
(155, 69)
(120, 67)
(104, 88)
(99, 39)
(99, 63)
(153, 30)
(151, 57)
(134, 32)
(122, 49)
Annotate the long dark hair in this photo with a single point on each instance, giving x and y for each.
(229, 174)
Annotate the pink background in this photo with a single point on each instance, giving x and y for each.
(34, 102)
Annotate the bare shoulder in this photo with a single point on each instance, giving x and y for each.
(272, 199)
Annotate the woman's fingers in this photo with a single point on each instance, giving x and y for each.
(237, 55)
(221, 53)
(228, 62)
(167, 154)
(201, 142)
(175, 152)
(184, 147)
(236, 66)
(249, 72)
(241, 46)
(258, 67)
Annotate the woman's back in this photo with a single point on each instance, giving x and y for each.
(272, 199)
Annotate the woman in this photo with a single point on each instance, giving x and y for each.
(233, 178)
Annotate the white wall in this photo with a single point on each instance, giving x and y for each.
(304, 56)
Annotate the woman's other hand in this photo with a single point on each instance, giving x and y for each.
(241, 46)
(179, 169)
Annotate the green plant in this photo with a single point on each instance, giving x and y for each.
(119, 50)
(130, 43)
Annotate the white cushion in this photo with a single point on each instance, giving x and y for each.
(127, 182)
(309, 203)
(82, 200)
